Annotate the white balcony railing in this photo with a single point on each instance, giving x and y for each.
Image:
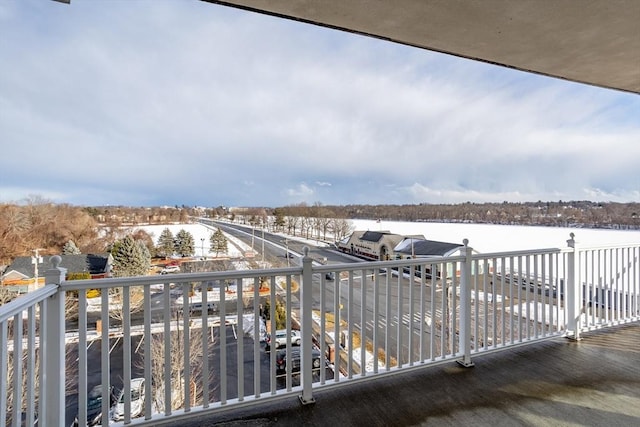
(197, 341)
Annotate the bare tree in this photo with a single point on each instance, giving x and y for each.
(177, 367)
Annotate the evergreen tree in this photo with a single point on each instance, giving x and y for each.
(219, 242)
(184, 245)
(130, 259)
(144, 250)
(70, 248)
(165, 245)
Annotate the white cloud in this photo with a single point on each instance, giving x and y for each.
(301, 192)
(194, 103)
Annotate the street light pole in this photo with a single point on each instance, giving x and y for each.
(286, 245)
(262, 246)
(202, 246)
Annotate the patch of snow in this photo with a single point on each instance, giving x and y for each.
(199, 232)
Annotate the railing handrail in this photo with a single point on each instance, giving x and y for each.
(175, 277)
(26, 301)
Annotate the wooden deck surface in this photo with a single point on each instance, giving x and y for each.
(593, 382)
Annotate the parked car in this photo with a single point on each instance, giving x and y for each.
(170, 269)
(196, 308)
(281, 360)
(94, 406)
(280, 338)
(137, 400)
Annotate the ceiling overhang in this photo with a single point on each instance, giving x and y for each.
(594, 42)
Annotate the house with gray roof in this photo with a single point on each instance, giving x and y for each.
(22, 272)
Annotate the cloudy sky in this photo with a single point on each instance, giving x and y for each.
(148, 103)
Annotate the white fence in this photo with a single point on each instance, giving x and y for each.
(196, 343)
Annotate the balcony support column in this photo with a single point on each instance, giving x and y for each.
(306, 306)
(465, 306)
(572, 293)
(52, 391)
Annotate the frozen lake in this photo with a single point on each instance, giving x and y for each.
(486, 238)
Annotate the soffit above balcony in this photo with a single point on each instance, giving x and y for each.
(589, 41)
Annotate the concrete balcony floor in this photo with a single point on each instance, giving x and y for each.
(593, 382)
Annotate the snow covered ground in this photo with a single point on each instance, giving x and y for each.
(199, 232)
(486, 238)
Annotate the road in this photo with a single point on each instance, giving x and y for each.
(401, 331)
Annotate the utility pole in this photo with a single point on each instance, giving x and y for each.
(263, 246)
(35, 260)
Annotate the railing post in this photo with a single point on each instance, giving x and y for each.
(465, 306)
(572, 295)
(306, 299)
(52, 346)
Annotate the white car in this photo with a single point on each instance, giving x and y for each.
(281, 338)
(170, 269)
(137, 400)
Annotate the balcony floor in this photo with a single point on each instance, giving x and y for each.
(559, 382)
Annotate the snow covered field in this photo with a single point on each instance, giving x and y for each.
(199, 232)
(486, 238)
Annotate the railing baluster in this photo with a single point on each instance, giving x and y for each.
(398, 316)
(167, 340)
(148, 338)
(223, 341)
(422, 329)
(486, 292)
(256, 342)
(350, 325)
(126, 351)
(186, 346)
(306, 356)
(336, 326)
(363, 324)
(376, 318)
(546, 295)
(388, 317)
(288, 304)
(4, 338)
(17, 368)
(433, 312)
(444, 313)
(82, 355)
(240, 338)
(105, 362)
(272, 332)
(31, 365)
(323, 319)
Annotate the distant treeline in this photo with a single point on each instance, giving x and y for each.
(582, 214)
(38, 223)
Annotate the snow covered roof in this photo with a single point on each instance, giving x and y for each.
(93, 264)
(423, 247)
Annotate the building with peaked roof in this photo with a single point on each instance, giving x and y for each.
(372, 245)
(25, 275)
